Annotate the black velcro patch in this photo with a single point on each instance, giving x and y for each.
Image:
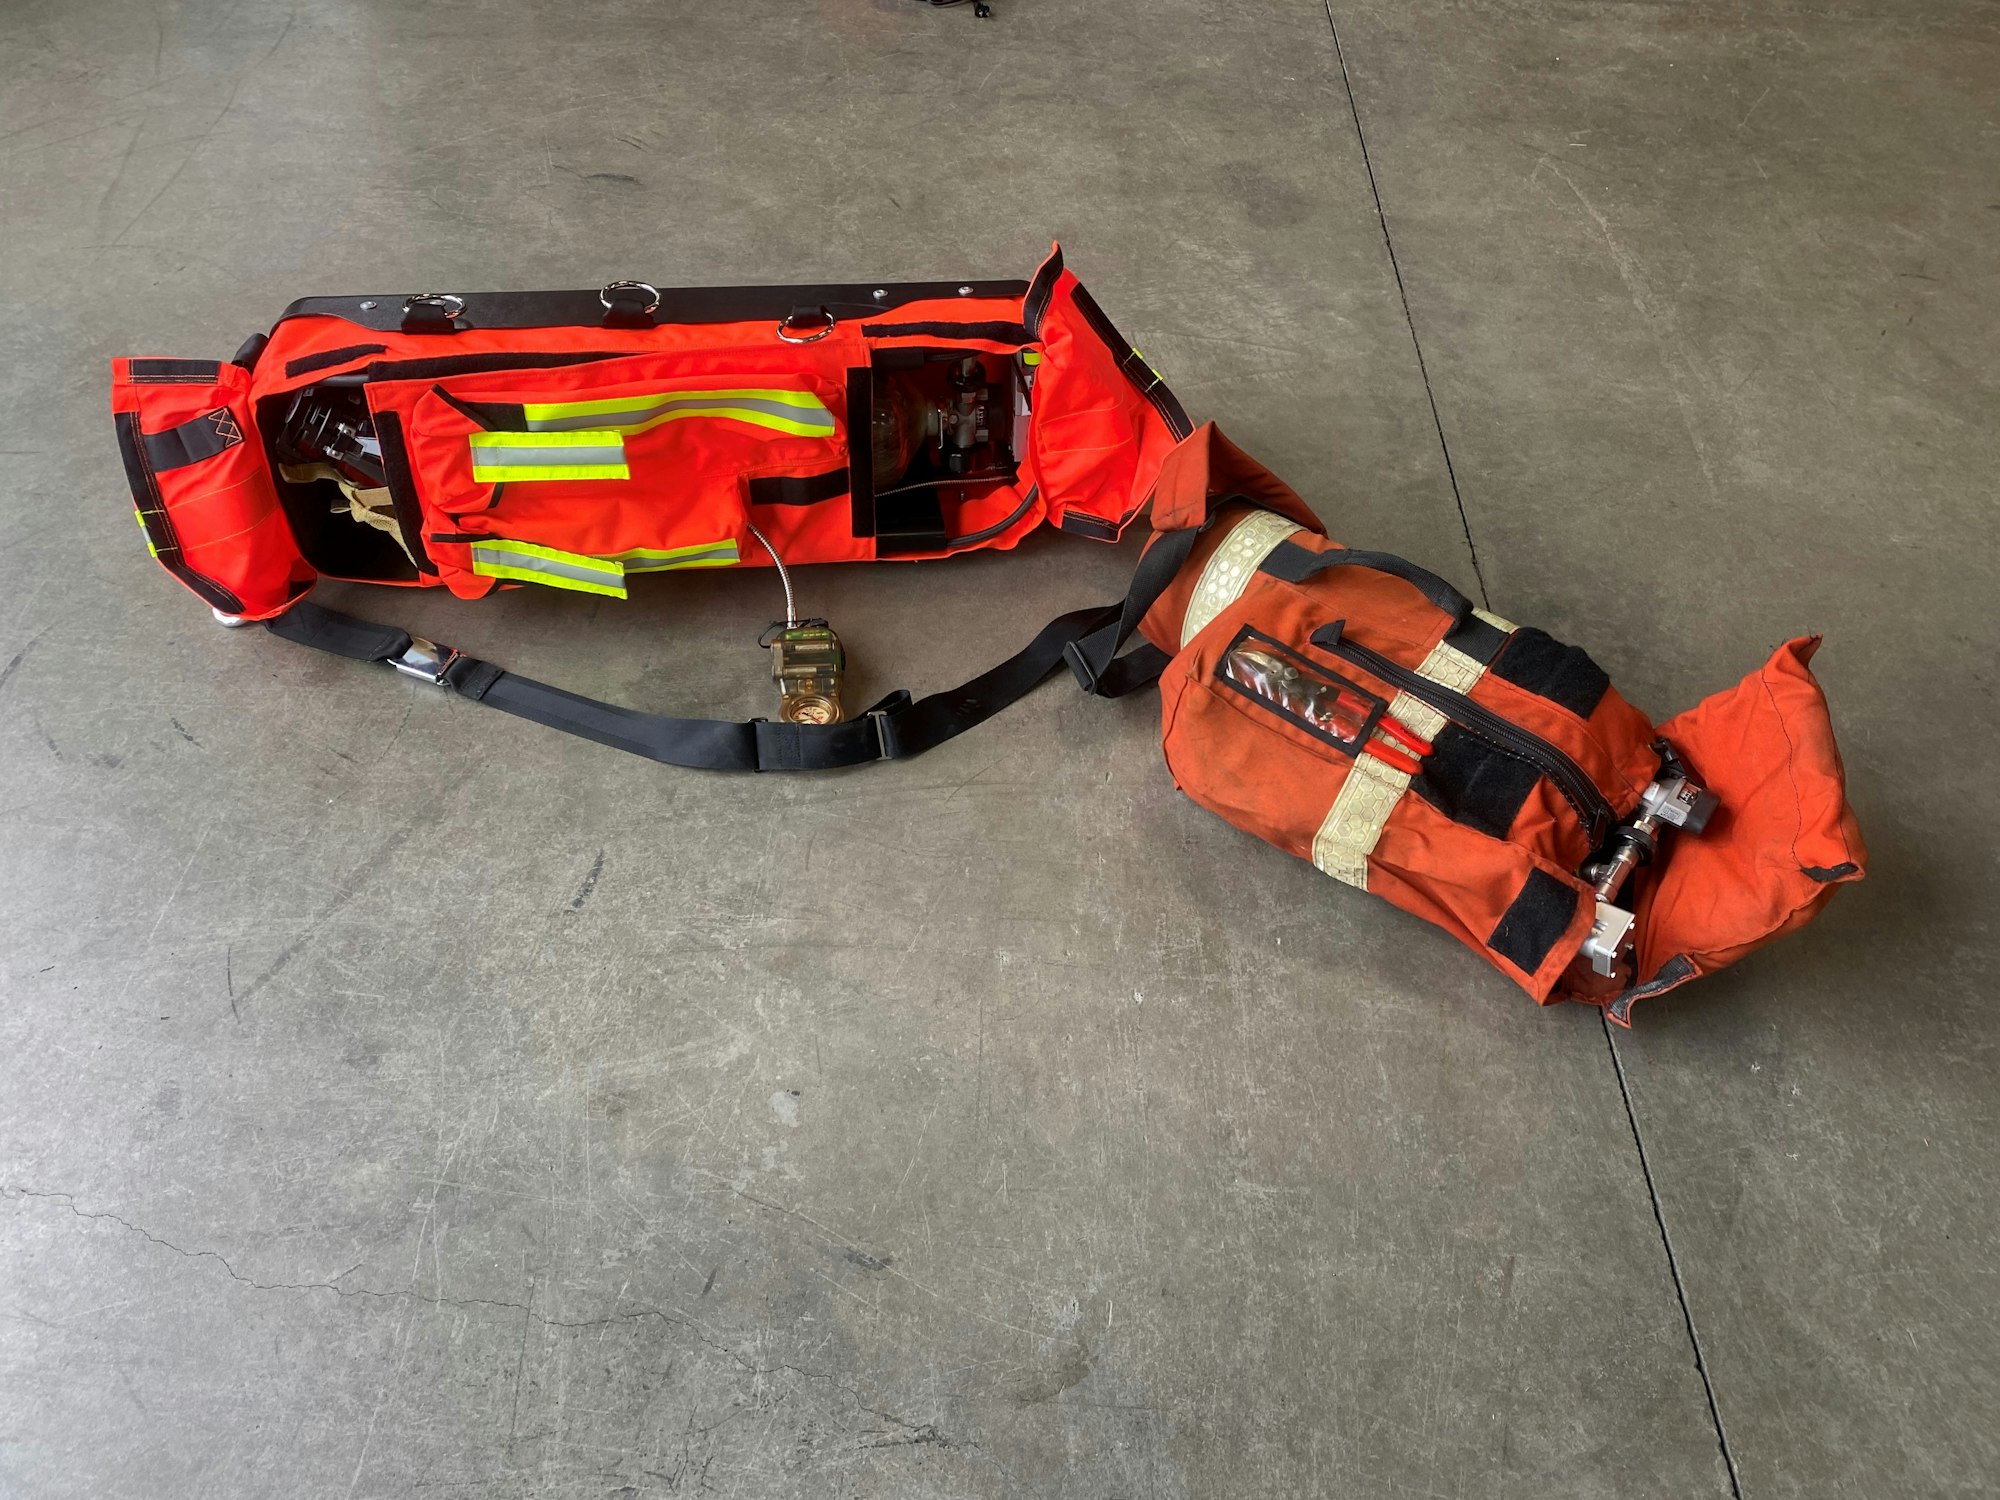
(1474, 782)
(1539, 915)
(174, 371)
(798, 489)
(201, 437)
(1537, 661)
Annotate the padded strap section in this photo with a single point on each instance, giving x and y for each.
(1295, 564)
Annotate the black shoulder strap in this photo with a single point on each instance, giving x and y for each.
(894, 729)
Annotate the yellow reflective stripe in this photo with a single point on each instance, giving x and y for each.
(1030, 357)
(722, 554)
(536, 412)
(804, 425)
(140, 517)
(797, 412)
(528, 562)
(499, 457)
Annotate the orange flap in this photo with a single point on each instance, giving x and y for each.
(1781, 841)
(1206, 464)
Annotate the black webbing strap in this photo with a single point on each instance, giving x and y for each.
(1094, 660)
(1295, 564)
(893, 729)
(896, 728)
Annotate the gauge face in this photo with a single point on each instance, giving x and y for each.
(811, 710)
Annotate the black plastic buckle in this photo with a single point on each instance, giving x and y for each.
(1080, 667)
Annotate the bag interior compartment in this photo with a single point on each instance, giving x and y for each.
(326, 463)
(942, 464)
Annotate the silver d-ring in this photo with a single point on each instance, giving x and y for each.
(647, 287)
(451, 305)
(785, 333)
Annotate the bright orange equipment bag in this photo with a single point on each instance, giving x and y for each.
(570, 439)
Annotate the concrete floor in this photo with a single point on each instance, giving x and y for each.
(397, 1098)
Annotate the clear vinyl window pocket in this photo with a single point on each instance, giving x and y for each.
(1278, 679)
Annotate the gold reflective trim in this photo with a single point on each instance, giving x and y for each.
(1354, 823)
(1452, 667)
(1229, 567)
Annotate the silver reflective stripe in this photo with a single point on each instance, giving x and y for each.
(645, 409)
(576, 456)
(702, 557)
(546, 565)
(1229, 567)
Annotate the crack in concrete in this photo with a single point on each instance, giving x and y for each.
(927, 1433)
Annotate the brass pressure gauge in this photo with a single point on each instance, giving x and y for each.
(806, 663)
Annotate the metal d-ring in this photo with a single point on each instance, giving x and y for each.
(784, 327)
(451, 305)
(647, 287)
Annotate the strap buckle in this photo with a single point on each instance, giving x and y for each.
(1079, 666)
(881, 718)
(426, 661)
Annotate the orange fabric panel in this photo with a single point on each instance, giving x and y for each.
(216, 518)
(1784, 838)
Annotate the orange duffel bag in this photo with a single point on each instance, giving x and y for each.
(1358, 711)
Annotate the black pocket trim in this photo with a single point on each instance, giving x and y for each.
(1377, 705)
(440, 366)
(1827, 874)
(159, 525)
(860, 453)
(200, 437)
(987, 533)
(1544, 666)
(1095, 527)
(798, 489)
(1035, 306)
(1132, 365)
(402, 488)
(1537, 918)
(305, 364)
(996, 333)
(173, 371)
(488, 416)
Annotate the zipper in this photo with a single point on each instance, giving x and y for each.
(1578, 790)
